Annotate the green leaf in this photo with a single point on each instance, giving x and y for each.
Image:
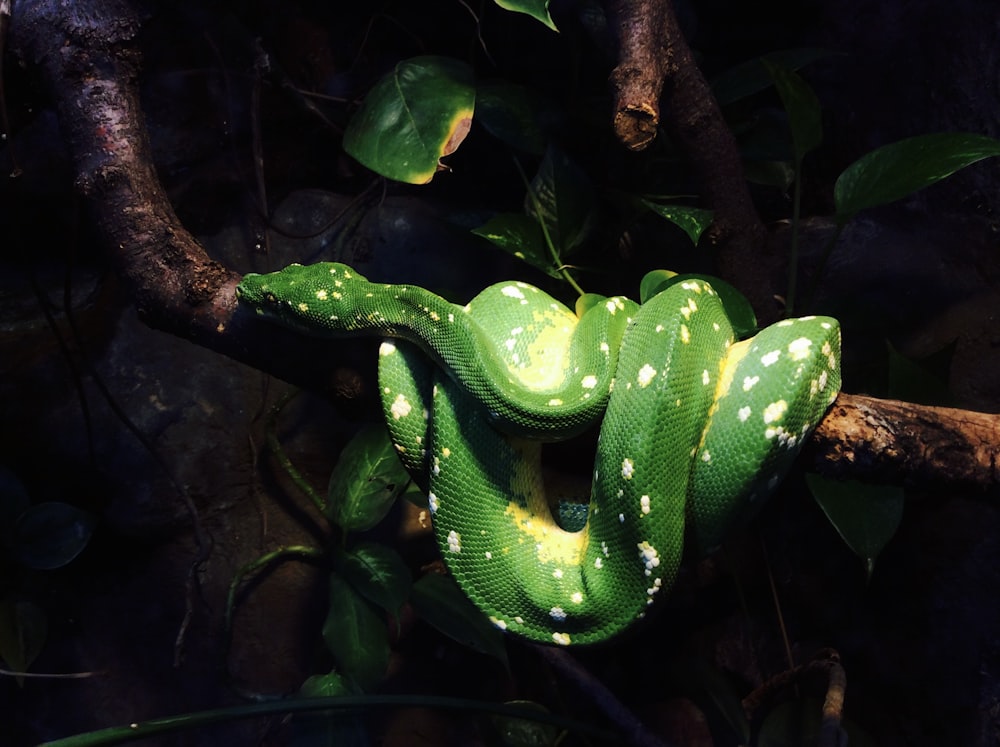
(866, 516)
(801, 105)
(23, 630)
(562, 198)
(537, 9)
(323, 729)
(512, 114)
(327, 685)
(693, 221)
(653, 282)
(50, 535)
(414, 116)
(894, 171)
(378, 573)
(751, 76)
(520, 235)
(737, 307)
(365, 481)
(355, 636)
(439, 601)
(588, 301)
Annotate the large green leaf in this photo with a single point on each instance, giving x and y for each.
(439, 601)
(49, 535)
(378, 573)
(896, 170)
(520, 235)
(414, 116)
(801, 105)
(355, 636)
(365, 481)
(561, 198)
(693, 221)
(866, 516)
(537, 9)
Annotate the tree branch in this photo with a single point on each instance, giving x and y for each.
(85, 51)
(90, 63)
(887, 441)
(655, 60)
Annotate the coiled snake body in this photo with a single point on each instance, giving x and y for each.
(697, 428)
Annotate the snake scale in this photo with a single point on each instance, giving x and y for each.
(696, 428)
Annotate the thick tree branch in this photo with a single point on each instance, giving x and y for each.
(887, 441)
(90, 62)
(654, 61)
(85, 52)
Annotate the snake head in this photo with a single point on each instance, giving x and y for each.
(304, 297)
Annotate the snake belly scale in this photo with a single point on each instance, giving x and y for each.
(696, 429)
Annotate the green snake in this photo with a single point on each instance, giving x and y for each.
(697, 429)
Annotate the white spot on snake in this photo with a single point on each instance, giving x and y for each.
(646, 374)
(691, 286)
(321, 294)
(743, 414)
(775, 411)
(685, 334)
(510, 343)
(649, 556)
(446, 452)
(715, 326)
(604, 549)
(557, 573)
(432, 503)
(386, 348)
(519, 620)
(826, 325)
(489, 555)
(511, 292)
(785, 323)
(557, 614)
(628, 467)
(451, 317)
(660, 328)
(561, 638)
(588, 382)
(598, 563)
(621, 518)
(400, 408)
(749, 382)
(555, 402)
(436, 467)
(454, 542)
(799, 348)
(822, 380)
(705, 378)
(576, 597)
(498, 622)
(705, 456)
(644, 504)
(303, 307)
(771, 358)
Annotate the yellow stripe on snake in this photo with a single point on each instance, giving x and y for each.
(696, 429)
